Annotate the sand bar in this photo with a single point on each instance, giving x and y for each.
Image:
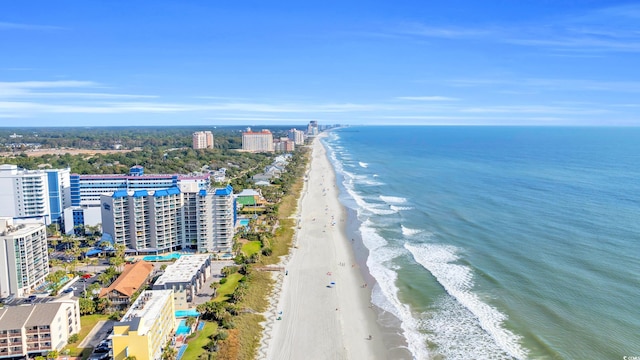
(321, 309)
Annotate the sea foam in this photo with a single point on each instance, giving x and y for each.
(393, 199)
(457, 280)
(385, 292)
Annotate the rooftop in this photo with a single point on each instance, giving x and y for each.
(183, 270)
(145, 310)
(131, 279)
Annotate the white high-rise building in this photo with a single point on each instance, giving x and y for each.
(24, 261)
(203, 140)
(24, 194)
(166, 220)
(257, 141)
(297, 136)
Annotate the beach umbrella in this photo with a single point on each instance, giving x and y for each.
(333, 283)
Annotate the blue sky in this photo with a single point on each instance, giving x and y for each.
(96, 63)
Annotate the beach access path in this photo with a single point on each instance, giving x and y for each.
(323, 308)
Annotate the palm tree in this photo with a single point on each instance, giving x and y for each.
(190, 321)
(169, 353)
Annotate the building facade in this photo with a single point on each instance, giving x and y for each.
(185, 277)
(146, 327)
(37, 329)
(257, 141)
(284, 145)
(24, 261)
(24, 194)
(160, 221)
(297, 136)
(133, 278)
(87, 189)
(202, 140)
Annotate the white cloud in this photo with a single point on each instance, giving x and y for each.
(427, 98)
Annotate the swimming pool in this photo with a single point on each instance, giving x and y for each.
(168, 257)
(183, 329)
(244, 222)
(187, 313)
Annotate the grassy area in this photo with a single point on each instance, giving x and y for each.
(228, 288)
(196, 345)
(250, 248)
(87, 322)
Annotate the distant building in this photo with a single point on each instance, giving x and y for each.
(297, 136)
(185, 277)
(146, 328)
(312, 128)
(257, 141)
(24, 261)
(202, 140)
(284, 145)
(39, 328)
(133, 278)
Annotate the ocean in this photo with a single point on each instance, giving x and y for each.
(498, 242)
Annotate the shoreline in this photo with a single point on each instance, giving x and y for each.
(321, 306)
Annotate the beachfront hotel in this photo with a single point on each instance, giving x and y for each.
(87, 189)
(146, 327)
(161, 221)
(37, 329)
(297, 136)
(202, 140)
(24, 261)
(34, 195)
(261, 141)
(185, 277)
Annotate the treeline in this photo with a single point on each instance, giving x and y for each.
(163, 150)
(105, 138)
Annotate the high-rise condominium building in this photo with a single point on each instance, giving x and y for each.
(176, 218)
(34, 195)
(202, 140)
(257, 141)
(87, 189)
(297, 136)
(24, 261)
(312, 129)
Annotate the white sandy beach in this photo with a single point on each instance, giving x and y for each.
(320, 320)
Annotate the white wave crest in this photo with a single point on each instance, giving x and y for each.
(399, 208)
(409, 232)
(385, 292)
(363, 164)
(458, 282)
(393, 199)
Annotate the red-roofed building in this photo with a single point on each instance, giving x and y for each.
(134, 277)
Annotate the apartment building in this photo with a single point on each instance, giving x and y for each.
(202, 140)
(284, 145)
(24, 261)
(297, 136)
(87, 189)
(34, 195)
(185, 277)
(37, 329)
(257, 141)
(184, 217)
(146, 328)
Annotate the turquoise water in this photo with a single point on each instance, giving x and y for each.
(499, 242)
(183, 329)
(244, 222)
(186, 313)
(168, 257)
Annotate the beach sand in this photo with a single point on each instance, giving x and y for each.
(310, 318)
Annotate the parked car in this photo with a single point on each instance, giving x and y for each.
(32, 298)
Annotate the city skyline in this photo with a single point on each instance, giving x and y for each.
(406, 63)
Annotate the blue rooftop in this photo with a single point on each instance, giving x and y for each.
(225, 191)
(140, 193)
(120, 193)
(203, 192)
(169, 191)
